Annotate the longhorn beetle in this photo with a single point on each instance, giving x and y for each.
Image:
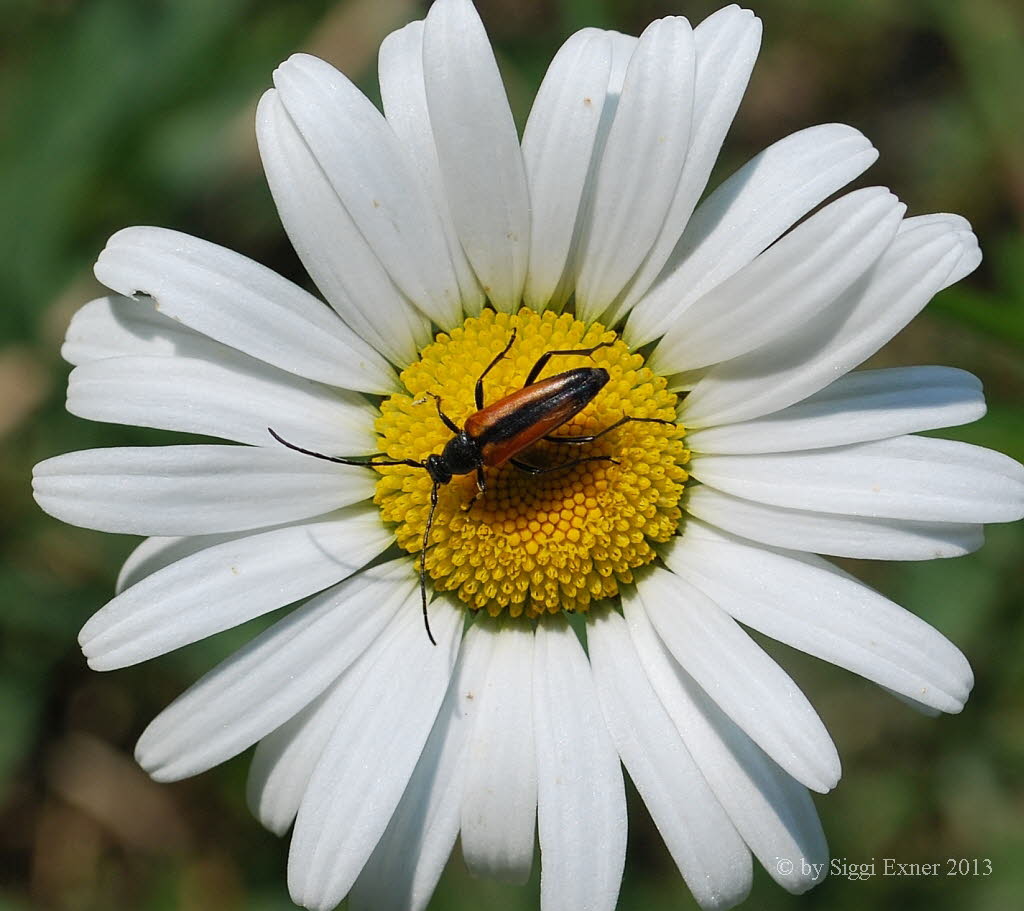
(495, 434)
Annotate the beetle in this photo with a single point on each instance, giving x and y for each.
(497, 433)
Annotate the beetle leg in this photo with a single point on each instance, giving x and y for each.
(547, 355)
(481, 486)
(609, 429)
(479, 391)
(536, 469)
(448, 422)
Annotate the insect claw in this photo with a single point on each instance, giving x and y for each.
(422, 400)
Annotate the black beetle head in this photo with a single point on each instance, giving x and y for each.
(437, 468)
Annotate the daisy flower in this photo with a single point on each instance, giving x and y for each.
(436, 238)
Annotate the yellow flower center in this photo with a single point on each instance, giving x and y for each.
(534, 543)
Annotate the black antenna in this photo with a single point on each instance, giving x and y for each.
(423, 561)
(372, 463)
(368, 463)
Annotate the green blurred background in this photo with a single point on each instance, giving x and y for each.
(118, 112)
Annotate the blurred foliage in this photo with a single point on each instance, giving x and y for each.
(114, 112)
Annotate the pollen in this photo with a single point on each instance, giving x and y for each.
(534, 543)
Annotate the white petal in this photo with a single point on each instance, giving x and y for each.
(558, 147)
(915, 478)
(709, 853)
(369, 759)
(685, 381)
(499, 804)
(478, 149)
(970, 259)
(641, 163)
(796, 278)
(404, 868)
(747, 685)
(745, 214)
(404, 99)
(156, 553)
(920, 261)
(772, 811)
(223, 586)
(862, 406)
(726, 44)
(330, 245)
(116, 326)
(970, 253)
(375, 180)
(234, 300)
(274, 677)
(839, 536)
(285, 759)
(813, 606)
(234, 399)
(581, 809)
(622, 47)
(193, 490)
(921, 707)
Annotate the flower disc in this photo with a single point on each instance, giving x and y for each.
(535, 543)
